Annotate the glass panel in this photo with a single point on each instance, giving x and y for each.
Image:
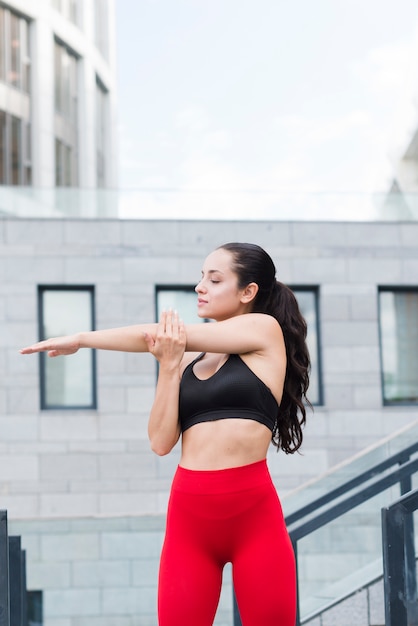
(335, 560)
(351, 468)
(73, 11)
(308, 307)
(25, 56)
(14, 72)
(100, 133)
(2, 45)
(65, 83)
(100, 11)
(57, 81)
(66, 127)
(182, 300)
(16, 152)
(67, 382)
(3, 173)
(58, 164)
(399, 345)
(68, 170)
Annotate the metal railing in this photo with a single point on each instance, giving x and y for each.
(396, 469)
(399, 562)
(13, 596)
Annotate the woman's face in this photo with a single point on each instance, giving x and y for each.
(218, 295)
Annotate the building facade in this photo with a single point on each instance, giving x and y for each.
(58, 93)
(76, 472)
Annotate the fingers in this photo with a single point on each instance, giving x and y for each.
(36, 347)
(58, 346)
(169, 324)
(170, 340)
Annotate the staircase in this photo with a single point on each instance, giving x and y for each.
(340, 571)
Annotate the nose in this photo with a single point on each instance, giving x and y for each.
(199, 287)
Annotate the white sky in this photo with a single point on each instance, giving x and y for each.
(271, 95)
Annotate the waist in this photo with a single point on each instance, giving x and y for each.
(224, 443)
(229, 480)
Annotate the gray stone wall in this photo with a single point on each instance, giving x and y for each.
(81, 465)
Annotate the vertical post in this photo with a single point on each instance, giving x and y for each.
(4, 572)
(25, 617)
(16, 588)
(393, 538)
(410, 565)
(237, 617)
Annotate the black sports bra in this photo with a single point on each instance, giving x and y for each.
(234, 391)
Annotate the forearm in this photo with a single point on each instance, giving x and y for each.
(123, 339)
(163, 425)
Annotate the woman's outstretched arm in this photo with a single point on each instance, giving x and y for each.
(244, 333)
(124, 339)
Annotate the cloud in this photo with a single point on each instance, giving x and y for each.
(386, 68)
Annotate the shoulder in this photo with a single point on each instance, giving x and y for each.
(263, 322)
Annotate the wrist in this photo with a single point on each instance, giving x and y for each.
(81, 340)
(168, 370)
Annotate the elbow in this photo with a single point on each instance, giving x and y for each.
(162, 443)
(160, 450)
(161, 446)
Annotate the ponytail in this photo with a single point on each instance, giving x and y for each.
(253, 264)
(283, 305)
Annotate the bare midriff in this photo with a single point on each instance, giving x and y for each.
(224, 443)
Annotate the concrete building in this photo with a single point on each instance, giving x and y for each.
(58, 93)
(76, 473)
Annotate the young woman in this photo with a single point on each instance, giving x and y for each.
(228, 389)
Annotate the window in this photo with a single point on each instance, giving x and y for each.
(2, 41)
(180, 298)
(67, 8)
(14, 50)
(3, 149)
(183, 299)
(398, 324)
(16, 149)
(101, 102)
(66, 117)
(100, 24)
(307, 298)
(70, 382)
(15, 73)
(15, 158)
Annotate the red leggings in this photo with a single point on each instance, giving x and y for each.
(215, 517)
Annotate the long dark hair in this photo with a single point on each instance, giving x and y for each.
(252, 264)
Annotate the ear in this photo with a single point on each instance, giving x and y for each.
(249, 293)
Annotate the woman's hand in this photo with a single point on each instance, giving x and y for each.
(169, 343)
(57, 346)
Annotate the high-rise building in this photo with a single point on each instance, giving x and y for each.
(57, 93)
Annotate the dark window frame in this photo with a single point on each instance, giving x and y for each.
(391, 289)
(42, 356)
(315, 290)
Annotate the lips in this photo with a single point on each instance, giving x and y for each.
(200, 302)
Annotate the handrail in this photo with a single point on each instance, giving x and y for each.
(400, 475)
(399, 576)
(400, 457)
(350, 502)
